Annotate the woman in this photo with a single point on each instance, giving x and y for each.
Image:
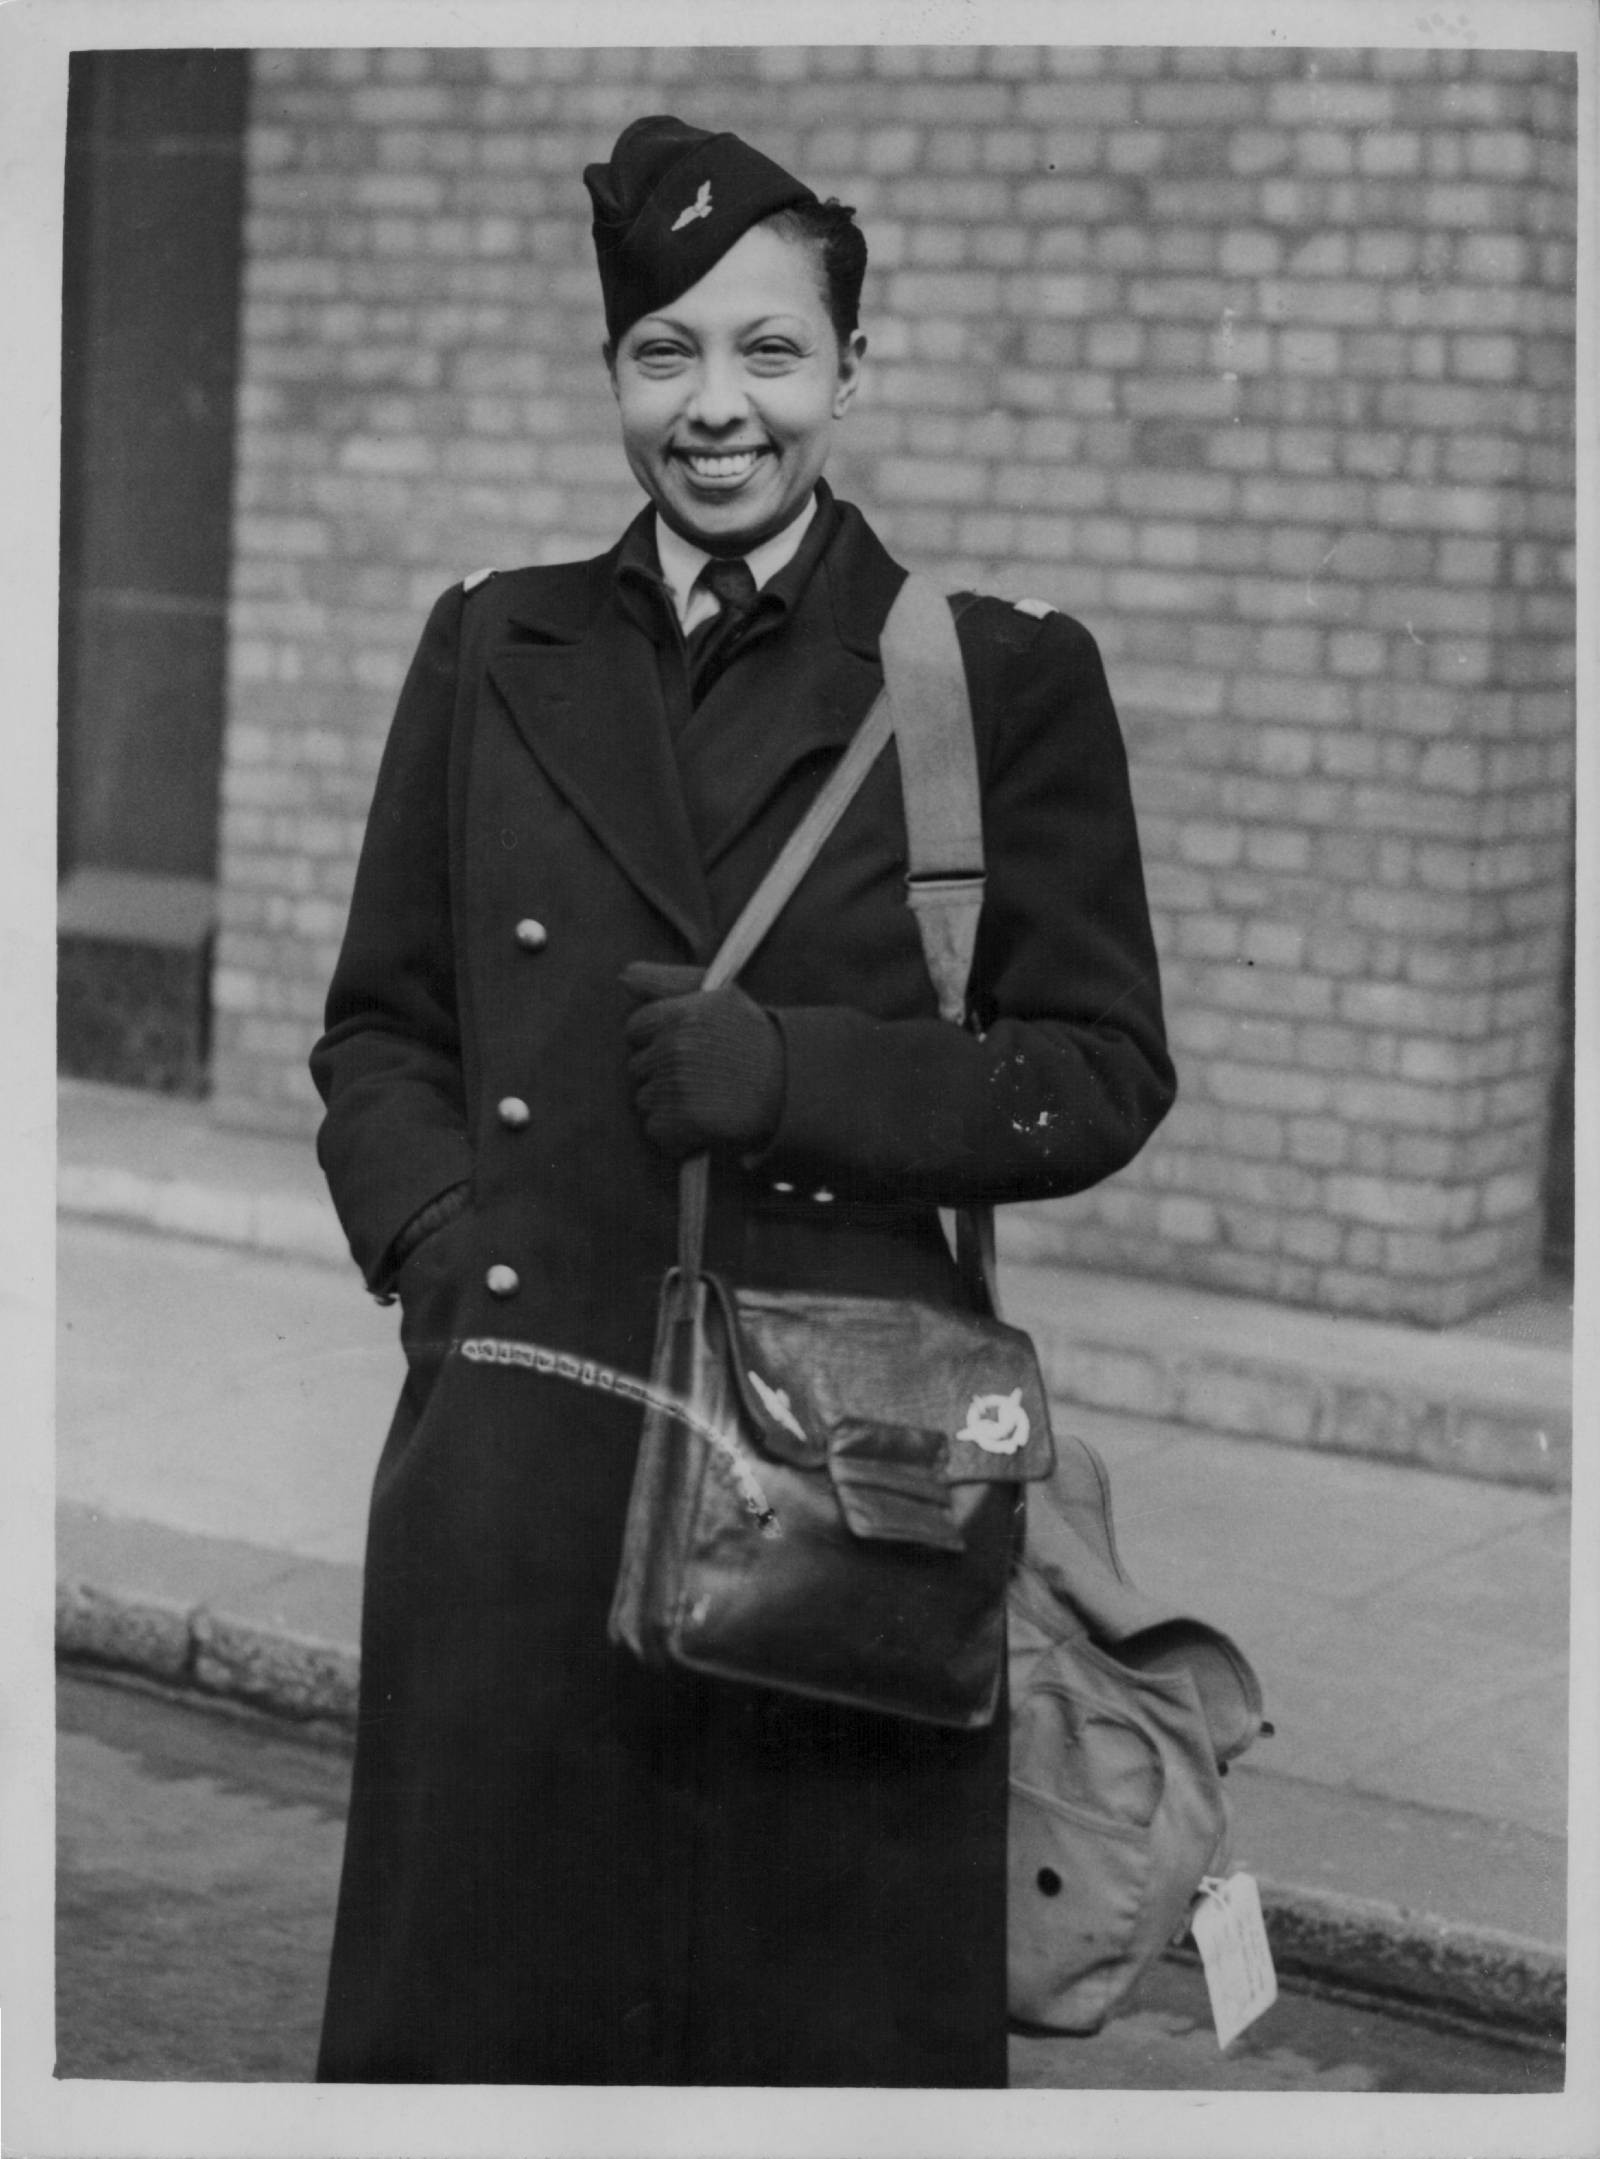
(562, 1867)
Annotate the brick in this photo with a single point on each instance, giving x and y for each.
(1211, 846)
(1175, 494)
(1077, 104)
(1250, 253)
(1390, 153)
(1196, 105)
(1186, 1220)
(1208, 937)
(1330, 104)
(1334, 300)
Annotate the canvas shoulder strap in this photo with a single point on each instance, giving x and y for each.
(926, 684)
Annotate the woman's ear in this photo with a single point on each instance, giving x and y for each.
(852, 353)
(608, 353)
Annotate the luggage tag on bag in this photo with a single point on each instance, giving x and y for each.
(1231, 1937)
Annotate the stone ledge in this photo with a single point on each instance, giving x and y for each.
(1464, 1402)
(1393, 1954)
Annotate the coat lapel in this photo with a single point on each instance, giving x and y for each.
(586, 699)
(805, 689)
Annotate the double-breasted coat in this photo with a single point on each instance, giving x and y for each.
(561, 1867)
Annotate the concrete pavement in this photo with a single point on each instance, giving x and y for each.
(223, 1391)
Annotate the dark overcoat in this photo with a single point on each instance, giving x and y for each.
(561, 1868)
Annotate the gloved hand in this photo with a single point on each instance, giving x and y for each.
(706, 1066)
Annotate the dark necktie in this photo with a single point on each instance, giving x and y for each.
(734, 588)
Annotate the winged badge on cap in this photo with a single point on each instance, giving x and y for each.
(700, 207)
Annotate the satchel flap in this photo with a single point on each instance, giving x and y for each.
(891, 1485)
(826, 1361)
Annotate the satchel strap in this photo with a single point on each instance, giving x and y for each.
(926, 685)
(926, 682)
(762, 909)
(924, 704)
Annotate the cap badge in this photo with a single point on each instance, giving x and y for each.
(700, 207)
(997, 1423)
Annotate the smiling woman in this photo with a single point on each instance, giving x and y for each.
(562, 1867)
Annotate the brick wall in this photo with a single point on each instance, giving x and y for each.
(1260, 361)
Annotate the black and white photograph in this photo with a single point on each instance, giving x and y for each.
(802, 1135)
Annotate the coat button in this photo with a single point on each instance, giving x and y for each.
(514, 1112)
(531, 935)
(822, 1197)
(502, 1282)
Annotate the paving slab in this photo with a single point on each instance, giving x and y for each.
(1500, 1876)
(220, 1389)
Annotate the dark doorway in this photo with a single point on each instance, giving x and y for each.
(150, 306)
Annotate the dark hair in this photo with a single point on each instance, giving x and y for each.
(840, 245)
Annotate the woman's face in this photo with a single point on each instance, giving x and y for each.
(728, 397)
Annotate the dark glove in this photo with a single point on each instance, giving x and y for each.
(706, 1066)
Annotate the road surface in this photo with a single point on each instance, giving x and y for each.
(197, 1869)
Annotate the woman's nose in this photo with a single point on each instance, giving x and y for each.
(719, 399)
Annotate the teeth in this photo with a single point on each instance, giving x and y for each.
(724, 465)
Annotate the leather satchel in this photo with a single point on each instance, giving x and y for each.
(825, 1501)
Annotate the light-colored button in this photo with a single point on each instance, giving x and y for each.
(780, 1184)
(822, 1197)
(502, 1282)
(531, 935)
(514, 1112)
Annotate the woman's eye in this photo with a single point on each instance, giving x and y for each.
(774, 352)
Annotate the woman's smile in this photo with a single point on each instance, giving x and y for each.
(719, 469)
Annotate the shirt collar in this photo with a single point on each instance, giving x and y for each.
(681, 561)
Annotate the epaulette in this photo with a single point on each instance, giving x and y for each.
(1037, 608)
(478, 577)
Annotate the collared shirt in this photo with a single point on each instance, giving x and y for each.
(647, 600)
(681, 564)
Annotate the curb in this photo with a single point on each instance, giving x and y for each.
(1389, 1953)
(279, 1225)
(264, 1648)
(234, 1620)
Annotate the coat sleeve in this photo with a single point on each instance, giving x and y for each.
(388, 1067)
(1066, 1074)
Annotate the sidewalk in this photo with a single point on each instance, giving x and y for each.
(224, 1385)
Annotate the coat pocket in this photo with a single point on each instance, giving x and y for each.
(429, 1286)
